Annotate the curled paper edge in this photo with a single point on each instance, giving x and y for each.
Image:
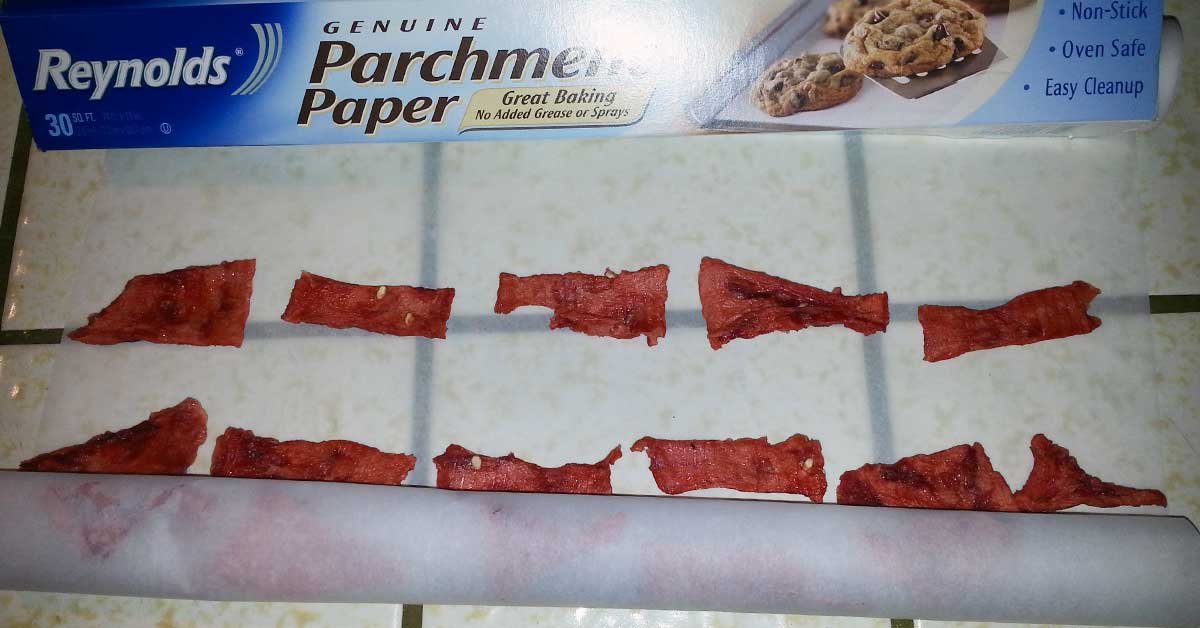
(233, 539)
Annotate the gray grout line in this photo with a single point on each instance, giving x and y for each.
(422, 404)
(864, 257)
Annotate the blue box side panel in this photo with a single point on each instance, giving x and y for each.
(129, 115)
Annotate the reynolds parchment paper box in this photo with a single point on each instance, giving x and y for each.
(133, 73)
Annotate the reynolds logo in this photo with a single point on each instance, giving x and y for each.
(56, 67)
(270, 47)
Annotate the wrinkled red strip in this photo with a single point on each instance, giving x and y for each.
(395, 310)
(463, 469)
(164, 444)
(960, 478)
(741, 303)
(752, 465)
(1046, 314)
(239, 453)
(198, 305)
(622, 305)
(1057, 483)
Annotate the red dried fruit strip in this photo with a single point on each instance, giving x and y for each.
(958, 478)
(395, 310)
(164, 444)
(741, 303)
(461, 468)
(1057, 483)
(198, 305)
(1046, 314)
(623, 305)
(239, 453)
(752, 465)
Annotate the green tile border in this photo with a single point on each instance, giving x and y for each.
(902, 623)
(1174, 303)
(412, 616)
(12, 201)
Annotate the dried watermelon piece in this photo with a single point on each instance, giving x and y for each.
(395, 310)
(741, 303)
(1057, 483)
(623, 305)
(240, 453)
(752, 465)
(462, 469)
(959, 478)
(197, 305)
(1046, 314)
(164, 444)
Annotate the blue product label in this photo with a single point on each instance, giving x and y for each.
(196, 75)
(1089, 60)
(134, 73)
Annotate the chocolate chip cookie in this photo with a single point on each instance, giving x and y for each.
(842, 15)
(909, 37)
(805, 83)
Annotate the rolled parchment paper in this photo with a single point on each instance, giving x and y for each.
(230, 539)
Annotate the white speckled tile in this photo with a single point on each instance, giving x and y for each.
(56, 208)
(1168, 168)
(1026, 214)
(992, 219)
(24, 379)
(496, 616)
(1177, 381)
(21, 609)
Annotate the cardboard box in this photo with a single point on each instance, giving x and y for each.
(135, 73)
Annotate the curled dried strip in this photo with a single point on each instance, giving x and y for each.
(462, 469)
(1046, 314)
(752, 465)
(960, 478)
(240, 453)
(164, 444)
(741, 303)
(394, 310)
(624, 305)
(198, 305)
(1057, 483)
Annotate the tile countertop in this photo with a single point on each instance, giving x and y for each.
(59, 192)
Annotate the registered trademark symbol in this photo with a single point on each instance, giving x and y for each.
(165, 127)
(239, 52)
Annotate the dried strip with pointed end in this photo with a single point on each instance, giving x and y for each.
(960, 478)
(622, 305)
(463, 469)
(197, 305)
(239, 453)
(164, 444)
(394, 310)
(752, 465)
(1046, 314)
(1057, 483)
(741, 303)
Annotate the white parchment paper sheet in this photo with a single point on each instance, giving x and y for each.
(225, 539)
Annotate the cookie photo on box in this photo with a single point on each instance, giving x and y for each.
(911, 49)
